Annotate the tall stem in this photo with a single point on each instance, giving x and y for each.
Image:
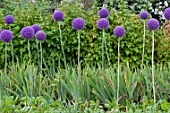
(62, 48)
(153, 79)
(6, 58)
(40, 66)
(79, 66)
(143, 43)
(38, 56)
(41, 57)
(118, 70)
(103, 40)
(29, 52)
(12, 53)
(107, 53)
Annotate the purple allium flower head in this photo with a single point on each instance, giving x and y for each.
(119, 31)
(58, 15)
(143, 15)
(40, 35)
(103, 23)
(152, 24)
(167, 13)
(36, 27)
(103, 13)
(78, 23)
(6, 36)
(27, 32)
(9, 19)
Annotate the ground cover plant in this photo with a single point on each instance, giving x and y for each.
(96, 60)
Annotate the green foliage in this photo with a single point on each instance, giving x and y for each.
(164, 47)
(40, 105)
(28, 91)
(91, 36)
(94, 84)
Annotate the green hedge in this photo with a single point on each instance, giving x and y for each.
(27, 14)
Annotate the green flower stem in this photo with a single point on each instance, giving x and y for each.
(41, 57)
(118, 84)
(62, 48)
(79, 73)
(38, 56)
(79, 66)
(29, 52)
(107, 53)
(153, 80)
(12, 53)
(41, 69)
(143, 44)
(103, 42)
(6, 58)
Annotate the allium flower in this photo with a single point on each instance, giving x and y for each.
(152, 24)
(78, 23)
(27, 32)
(167, 13)
(103, 13)
(143, 15)
(36, 27)
(58, 15)
(9, 19)
(40, 35)
(103, 23)
(119, 31)
(6, 36)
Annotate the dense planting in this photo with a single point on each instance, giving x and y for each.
(91, 46)
(96, 87)
(98, 60)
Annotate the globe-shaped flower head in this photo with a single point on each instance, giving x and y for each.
(78, 24)
(58, 15)
(119, 31)
(27, 32)
(9, 19)
(143, 15)
(6, 36)
(36, 27)
(40, 35)
(103, 13)
(167, 13)
(103, 23)
(152, 24)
